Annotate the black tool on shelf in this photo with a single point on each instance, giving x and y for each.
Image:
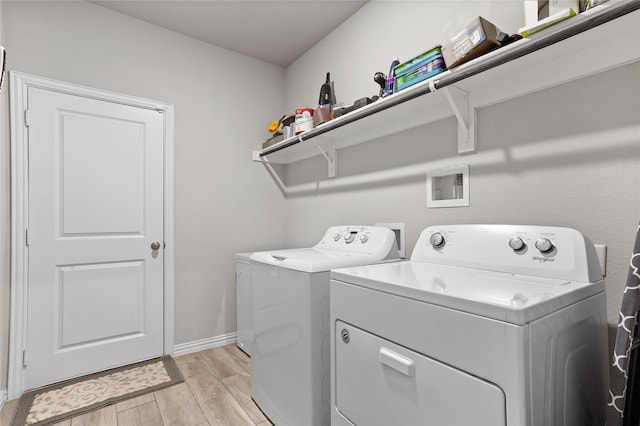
(381, 79)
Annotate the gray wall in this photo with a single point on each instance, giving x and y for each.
(565, 156)
(223, 202)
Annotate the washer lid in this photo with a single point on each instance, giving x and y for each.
(313, 259)
(517, 299)
(243, 257)
(340, 247)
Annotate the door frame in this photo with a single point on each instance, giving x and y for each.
(19, 84)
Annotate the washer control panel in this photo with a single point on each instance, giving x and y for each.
(361, 239)
(554, 252)
(351, 234)
(348, 236)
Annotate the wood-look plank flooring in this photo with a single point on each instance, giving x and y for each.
(216, 392)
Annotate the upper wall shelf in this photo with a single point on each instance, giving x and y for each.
(602, 38)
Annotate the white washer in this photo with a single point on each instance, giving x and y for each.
(290, 303)
(485, 325)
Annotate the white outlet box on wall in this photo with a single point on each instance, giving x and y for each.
(448, 187)
(398, 229)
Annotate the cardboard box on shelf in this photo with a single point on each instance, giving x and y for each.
(476, 39)
(272, 141)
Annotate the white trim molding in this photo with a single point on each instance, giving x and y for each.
(201, 345)
(20, 83)
(3, 398)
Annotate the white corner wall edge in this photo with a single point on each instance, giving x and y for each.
(201, 345)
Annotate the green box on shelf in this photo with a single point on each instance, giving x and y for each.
(419, 68)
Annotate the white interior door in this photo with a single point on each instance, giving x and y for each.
(95, 284)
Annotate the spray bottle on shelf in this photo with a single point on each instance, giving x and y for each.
(391, 87)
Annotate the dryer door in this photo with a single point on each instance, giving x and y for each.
(381, 383)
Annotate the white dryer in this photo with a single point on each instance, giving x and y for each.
(485, 325)
(290, 309)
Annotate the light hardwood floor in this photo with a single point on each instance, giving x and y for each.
(216, 392)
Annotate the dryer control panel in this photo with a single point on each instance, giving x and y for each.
(544, 251)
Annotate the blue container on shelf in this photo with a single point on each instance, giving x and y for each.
(419, 68)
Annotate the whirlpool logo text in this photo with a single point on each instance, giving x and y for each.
(542, 259)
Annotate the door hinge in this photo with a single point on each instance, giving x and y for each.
(24, 358)
(26, 237)
(27, 118)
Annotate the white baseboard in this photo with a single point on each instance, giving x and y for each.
(200, 345)
(3, 397)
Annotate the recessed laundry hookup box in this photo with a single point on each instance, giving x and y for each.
(474, 40)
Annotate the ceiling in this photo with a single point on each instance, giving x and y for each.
(278, 32)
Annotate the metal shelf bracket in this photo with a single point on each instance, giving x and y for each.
(267, 164)
(330, 156)
(465, 114)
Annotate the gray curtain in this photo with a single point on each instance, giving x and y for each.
(624, 339)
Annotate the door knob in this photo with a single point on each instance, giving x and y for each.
(155, 245)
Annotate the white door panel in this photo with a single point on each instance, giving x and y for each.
(112, 160)
(95, 206)
(96, 291)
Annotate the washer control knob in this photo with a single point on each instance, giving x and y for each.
(437, 240)
(517, 243)
(337, 236)
(544, 245)
(364, 238)
(348, 238)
